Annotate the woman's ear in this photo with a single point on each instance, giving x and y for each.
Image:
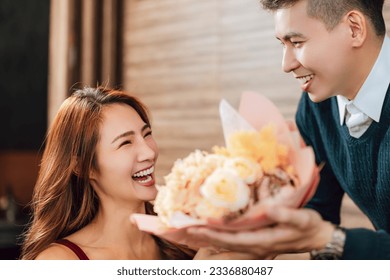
(357, 24)
(77, 170)
(92, 174)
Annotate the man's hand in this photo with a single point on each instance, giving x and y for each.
(294, 231)
(210, 253)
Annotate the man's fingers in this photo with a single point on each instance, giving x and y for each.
(222, 239)
(292, 126)
(209, 253)
(299, 218)
(242, 241)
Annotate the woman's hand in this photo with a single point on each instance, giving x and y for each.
(294, 231)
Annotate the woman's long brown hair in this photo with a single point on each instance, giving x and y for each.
(63, 199)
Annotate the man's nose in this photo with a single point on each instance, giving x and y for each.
(289, 62)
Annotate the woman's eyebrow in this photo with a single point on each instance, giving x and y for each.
(127, 133)
(130, 132)
(146, 126)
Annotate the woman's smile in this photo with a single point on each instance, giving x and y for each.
(145, 176)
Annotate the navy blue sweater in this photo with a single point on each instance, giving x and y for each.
(359, 167)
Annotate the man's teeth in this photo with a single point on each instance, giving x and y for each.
(305, 79)
(144, 173)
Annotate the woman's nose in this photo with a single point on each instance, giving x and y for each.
(147, 150)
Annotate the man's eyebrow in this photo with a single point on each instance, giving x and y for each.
(128, 133)
(290, 35)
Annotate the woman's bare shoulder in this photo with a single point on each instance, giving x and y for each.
(57, 252)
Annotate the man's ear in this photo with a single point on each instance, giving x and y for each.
(357, 24)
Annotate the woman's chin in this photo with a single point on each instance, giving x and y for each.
(146, 193)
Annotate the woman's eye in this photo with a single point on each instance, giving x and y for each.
(125, 143)
(148, 134)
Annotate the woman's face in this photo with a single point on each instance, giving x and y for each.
(126, 156)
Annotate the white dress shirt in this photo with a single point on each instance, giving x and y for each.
(359, 113)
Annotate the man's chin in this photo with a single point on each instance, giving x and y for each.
(316, 98)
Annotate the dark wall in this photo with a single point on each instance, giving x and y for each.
(24, 28)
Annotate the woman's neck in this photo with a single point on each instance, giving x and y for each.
(111, 235)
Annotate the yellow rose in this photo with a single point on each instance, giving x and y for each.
(247, 169)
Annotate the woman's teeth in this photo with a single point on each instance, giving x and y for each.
(144, 173)
(147, 180)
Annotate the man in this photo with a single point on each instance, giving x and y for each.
(339, 52)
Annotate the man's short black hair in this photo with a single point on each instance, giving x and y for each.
(332, 11)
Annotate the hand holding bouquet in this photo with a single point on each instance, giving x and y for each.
(261, 165)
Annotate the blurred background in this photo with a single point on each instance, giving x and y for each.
(181, 57)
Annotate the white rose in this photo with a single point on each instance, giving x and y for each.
(224, 188)
(204, 210)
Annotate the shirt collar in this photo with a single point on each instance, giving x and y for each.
(371, 95)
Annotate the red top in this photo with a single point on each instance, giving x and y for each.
(76, 249)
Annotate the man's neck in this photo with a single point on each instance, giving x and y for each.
(365, 59)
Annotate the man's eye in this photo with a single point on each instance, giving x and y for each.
(296, 43)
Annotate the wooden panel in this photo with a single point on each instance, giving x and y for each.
(88, 51)
(182, 57)
(85, 47)
(251, 56)
(108, 72)
(62, 53)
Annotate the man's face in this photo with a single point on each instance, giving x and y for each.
(321, 60)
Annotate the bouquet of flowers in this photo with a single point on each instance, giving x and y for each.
(262, 164)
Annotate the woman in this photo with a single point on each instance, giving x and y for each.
(97, 169)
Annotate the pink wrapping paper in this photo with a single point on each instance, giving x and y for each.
(255, 111)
